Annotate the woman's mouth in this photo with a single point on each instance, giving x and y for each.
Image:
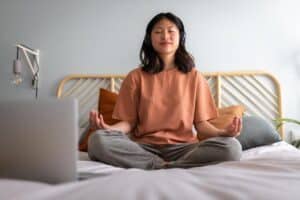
(165, 43)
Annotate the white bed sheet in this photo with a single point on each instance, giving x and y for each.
(268, 172)
(89, 169)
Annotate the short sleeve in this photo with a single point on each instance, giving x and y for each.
(127, 101)
(205, 108)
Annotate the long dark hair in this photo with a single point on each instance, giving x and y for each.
(151, 62)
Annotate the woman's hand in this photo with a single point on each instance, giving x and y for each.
(233, 129)
(96, 121)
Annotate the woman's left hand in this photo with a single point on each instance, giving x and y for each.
(234, 129)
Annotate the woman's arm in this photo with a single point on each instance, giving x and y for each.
(97, 122)
(207, 129)
(123, 126)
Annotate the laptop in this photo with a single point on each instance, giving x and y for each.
(38, 140)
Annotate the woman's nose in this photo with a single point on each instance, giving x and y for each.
(164, 35)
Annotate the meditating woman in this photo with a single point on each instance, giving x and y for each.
(158, 104)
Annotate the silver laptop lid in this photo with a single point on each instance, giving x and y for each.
(38, 140)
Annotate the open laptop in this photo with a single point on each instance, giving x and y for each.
(38, 140)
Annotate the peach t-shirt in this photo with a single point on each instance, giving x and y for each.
(164, 105)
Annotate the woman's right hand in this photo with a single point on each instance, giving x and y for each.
(96, 121)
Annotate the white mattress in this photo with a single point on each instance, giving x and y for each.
(268, 172)
(89, 169)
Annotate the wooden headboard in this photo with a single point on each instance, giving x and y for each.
(259, 92)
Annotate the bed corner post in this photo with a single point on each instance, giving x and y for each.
(112, 84)
(218, 90)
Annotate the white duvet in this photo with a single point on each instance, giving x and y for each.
(268, 172)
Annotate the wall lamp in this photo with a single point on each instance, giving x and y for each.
(32, 59)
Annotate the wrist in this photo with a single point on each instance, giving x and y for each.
(222, 132)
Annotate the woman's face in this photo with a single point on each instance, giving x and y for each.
(165, 37)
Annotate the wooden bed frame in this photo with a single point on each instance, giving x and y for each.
(259, 92)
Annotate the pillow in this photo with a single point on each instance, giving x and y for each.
(257, 132)
(225, 117)
(106, 103)
(83, 143)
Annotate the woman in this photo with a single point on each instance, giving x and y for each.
(158, 105)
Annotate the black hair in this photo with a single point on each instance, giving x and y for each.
(151, 62)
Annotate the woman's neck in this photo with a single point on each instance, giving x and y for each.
(168, 60)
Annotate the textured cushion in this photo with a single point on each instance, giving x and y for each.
(257, 132)
(83, 143)
(225, 117)
(107, 101)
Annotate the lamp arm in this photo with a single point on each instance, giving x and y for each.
(29, 62)
(28, 49)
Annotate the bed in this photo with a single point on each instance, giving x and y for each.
(265, 172)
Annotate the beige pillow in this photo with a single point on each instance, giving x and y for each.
(226, 115)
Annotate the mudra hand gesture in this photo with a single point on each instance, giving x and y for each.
(96, 121)
(234, 128)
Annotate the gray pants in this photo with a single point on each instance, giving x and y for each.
(115, 148)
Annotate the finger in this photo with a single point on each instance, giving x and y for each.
(238, 129)
(235, 118)
(91, 117)
(230, 129)
(240, 125)
(98, 122)
(101, 118)
(96, 114)
(93, 112)
(232, 125)
(235, 122)
(102, 121)
(93, 124)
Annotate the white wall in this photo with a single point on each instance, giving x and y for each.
(96, 36)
